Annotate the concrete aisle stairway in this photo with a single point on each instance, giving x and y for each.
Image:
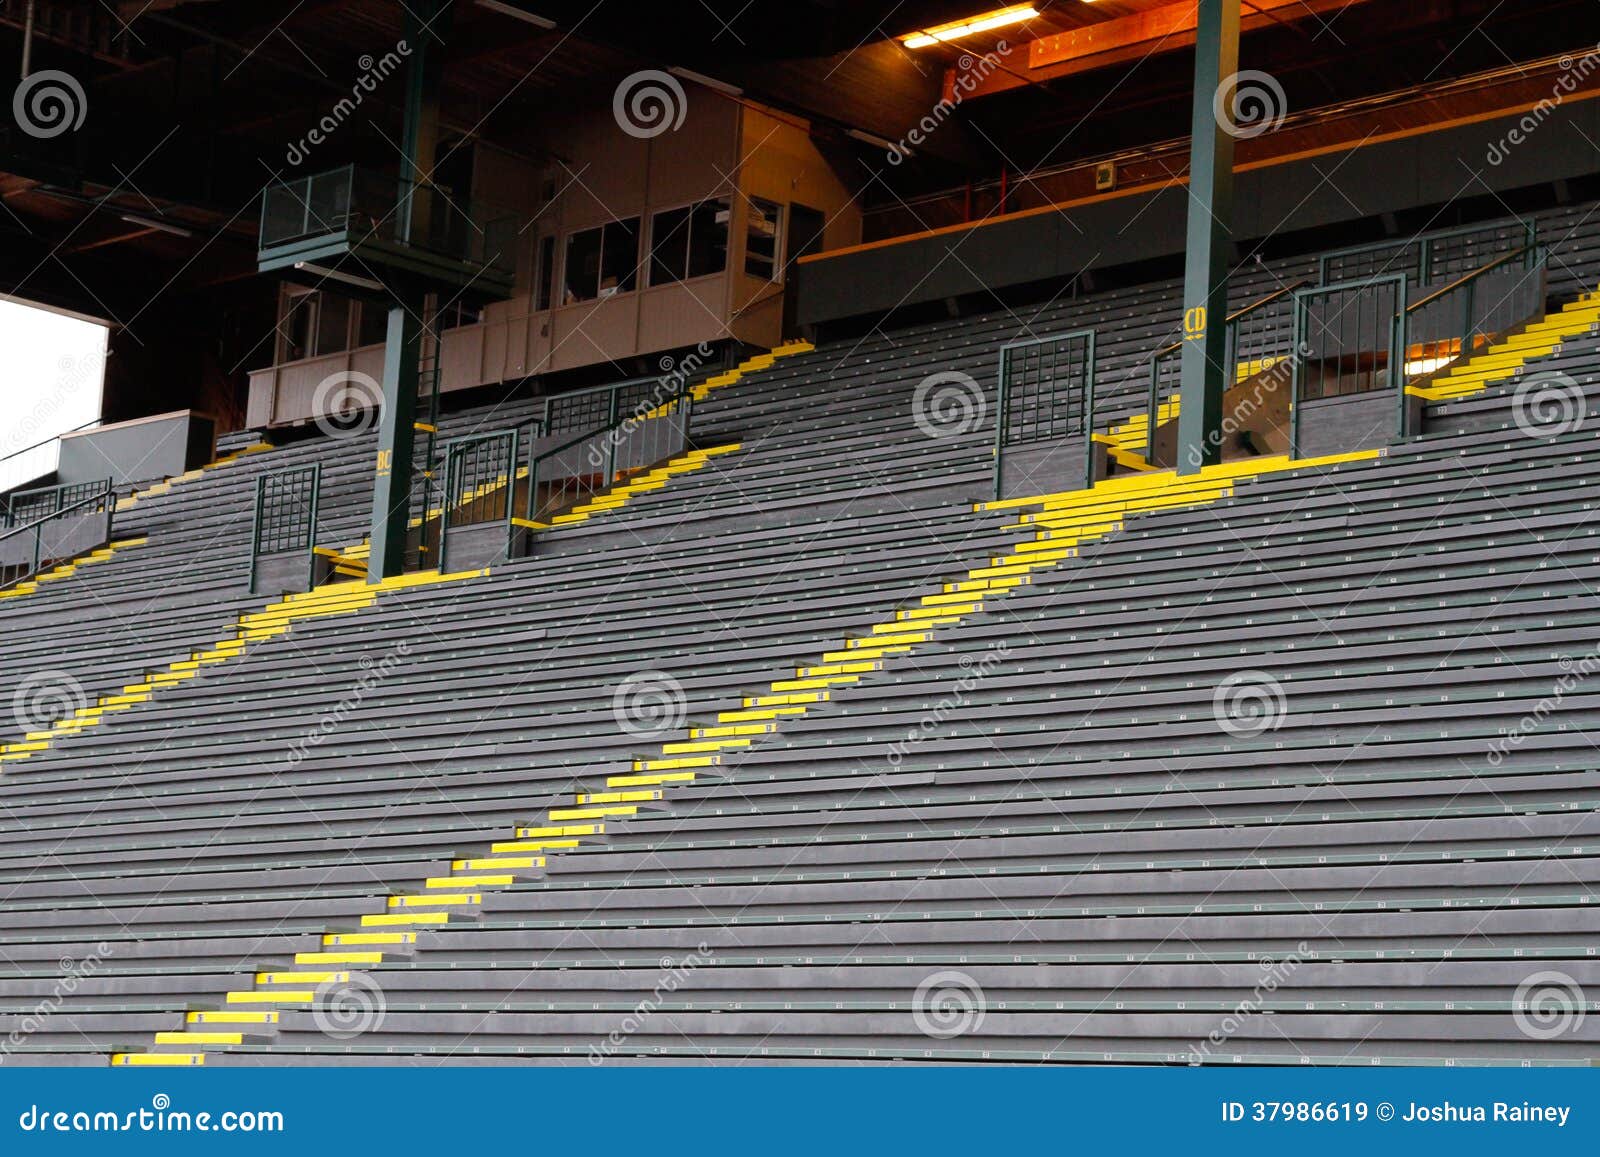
(68, 569)
(1505, 358)
(272, 620)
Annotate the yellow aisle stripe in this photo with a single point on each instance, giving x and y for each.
(189, 476)
(400, 917)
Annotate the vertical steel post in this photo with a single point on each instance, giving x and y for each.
(311, 527)
(426, 25)
(391, 493)
(1210, 229)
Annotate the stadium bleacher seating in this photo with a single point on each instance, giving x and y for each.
(745, 764)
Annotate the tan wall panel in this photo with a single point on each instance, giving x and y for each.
(782, 164)
(595, 331)
(683, 314)
(461, 358)
(298, 382)
(258, 411)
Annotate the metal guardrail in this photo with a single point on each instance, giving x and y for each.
(480, 487)
(369, 205)
(620, 428)
(1046, 395)
(1259, 335)
(1451, 322)
(1348, 340)
(1428, 257)
(12, 455)
(286, 519)
(30, 544)
(1364, 336)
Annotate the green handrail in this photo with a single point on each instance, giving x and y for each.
(106, 494)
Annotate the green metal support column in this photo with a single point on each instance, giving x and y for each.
(426, 25)
(1205, 374)
(391, 491)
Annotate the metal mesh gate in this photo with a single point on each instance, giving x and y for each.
(1046, 413)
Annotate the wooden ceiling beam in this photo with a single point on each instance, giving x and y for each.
(1122, 38)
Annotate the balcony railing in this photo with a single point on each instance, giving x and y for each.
(386, 219)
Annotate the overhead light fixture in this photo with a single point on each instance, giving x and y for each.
(710, 82)
(157, 223)
(999, 18)
(516, 13)
(876, 141)
(340, 275)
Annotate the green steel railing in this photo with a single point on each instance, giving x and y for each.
(63, 503)
(286, 518)
(1257, 332)
(362, 204)
(1445, 325)
(1045, 395)
(1349, 338)
(1429, 256)
(627, 426)
(480, 486)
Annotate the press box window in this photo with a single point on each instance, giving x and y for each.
(761, 240)
(689, 242)
(603, 261)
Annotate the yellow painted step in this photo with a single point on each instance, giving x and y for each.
(446, 883)
(287, 996)
(401, 919)
(199, 1038)
(732, 731)
(231, 1016)
(338, 958)
(302, 977)
(814, 684)
(158, 1060)
(648, 779)
(344, 939)
(448, 899)
(638, 796)
(666, 765)
(904, 638)
(785, 700)
(524, 846)
(758, 714)
(562, 830)
(494, 863)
